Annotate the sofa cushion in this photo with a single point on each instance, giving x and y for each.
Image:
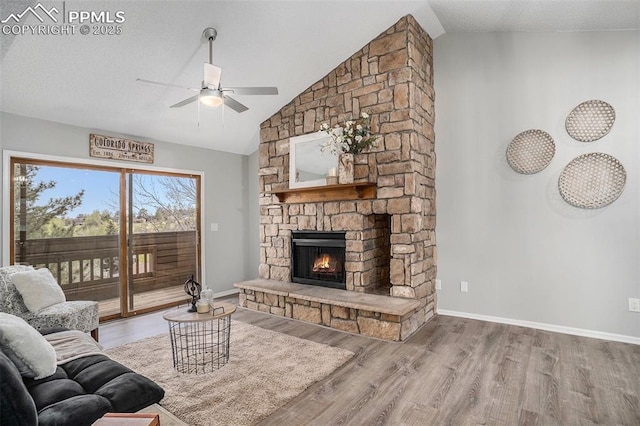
(29, 350)
(76, 315)
(81, 410)
(38, 288)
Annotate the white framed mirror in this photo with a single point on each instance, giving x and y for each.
(308, 165)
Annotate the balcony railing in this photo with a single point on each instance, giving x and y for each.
(88, 268)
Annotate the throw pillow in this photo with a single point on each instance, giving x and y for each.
(38, 289)
(26, 347)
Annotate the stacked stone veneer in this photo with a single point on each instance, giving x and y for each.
(390, 239)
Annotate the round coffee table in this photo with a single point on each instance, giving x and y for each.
(200, 342)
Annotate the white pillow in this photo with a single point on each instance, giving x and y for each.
(38, 289)
(19, 340)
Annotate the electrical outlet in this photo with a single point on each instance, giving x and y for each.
(464, 286)
(634, 304)
(438, 284)
(214, 227)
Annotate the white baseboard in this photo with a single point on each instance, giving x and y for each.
(543, 326)
(226, 293)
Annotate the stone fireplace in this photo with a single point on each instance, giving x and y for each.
(389, 231)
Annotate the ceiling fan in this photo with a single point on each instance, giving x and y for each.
(211, 93)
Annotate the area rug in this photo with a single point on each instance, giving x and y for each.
(265, 371)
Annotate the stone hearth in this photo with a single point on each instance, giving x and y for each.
(390, 238)
(371, 315)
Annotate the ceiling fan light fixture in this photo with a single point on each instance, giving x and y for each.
(211, 97)
(211, 94)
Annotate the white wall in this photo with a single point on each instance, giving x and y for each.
(526, 253)
(225, 183)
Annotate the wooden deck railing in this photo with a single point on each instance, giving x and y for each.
(88, 268)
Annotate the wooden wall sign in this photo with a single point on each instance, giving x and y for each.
(120, 149)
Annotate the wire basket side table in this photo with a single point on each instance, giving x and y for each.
(200, 342)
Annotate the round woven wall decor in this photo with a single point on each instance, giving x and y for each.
(590, 120)
(592, 180)
(530, 151)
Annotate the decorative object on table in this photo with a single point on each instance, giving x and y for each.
(193, 288)
(530, 151)
(351, 138)
(202, 306)
(207, 294)
(592, 181)
(590, 120)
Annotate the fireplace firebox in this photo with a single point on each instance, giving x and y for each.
(318, 258)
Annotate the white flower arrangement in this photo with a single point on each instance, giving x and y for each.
(354, 137)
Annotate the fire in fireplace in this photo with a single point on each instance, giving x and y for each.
(325, 264)
(318, 258)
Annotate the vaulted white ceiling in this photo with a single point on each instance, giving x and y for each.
(90, 80)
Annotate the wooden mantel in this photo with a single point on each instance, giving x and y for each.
(318, 194)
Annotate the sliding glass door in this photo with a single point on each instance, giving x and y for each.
(163, 225)
(125, 238)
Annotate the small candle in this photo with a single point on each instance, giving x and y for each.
(202, 306)
(332, 172)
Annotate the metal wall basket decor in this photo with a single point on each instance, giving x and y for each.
(530, 151)
(592, 181)
(590, 120)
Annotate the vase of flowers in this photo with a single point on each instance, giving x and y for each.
(347, 140)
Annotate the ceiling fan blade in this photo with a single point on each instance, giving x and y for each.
(234, 105)
(251, 90)
(185, 102)
(212, 75)
(157, 83)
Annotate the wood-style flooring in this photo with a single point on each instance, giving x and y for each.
(453, 371)
(144, 300)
